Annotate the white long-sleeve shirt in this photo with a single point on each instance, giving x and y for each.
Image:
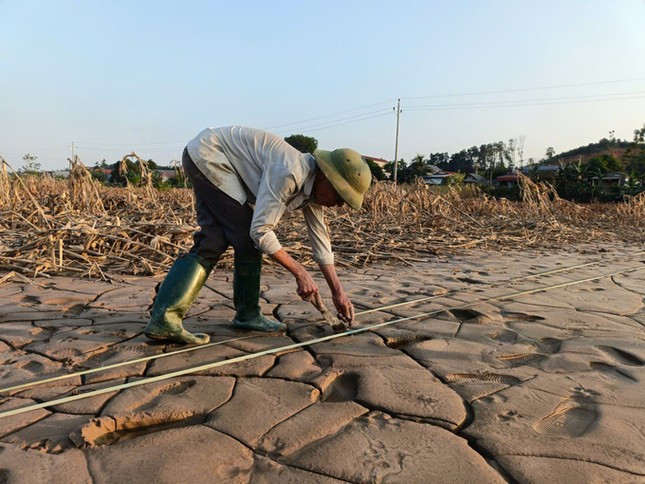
(252, 165)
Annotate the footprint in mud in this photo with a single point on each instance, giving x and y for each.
(30, 300)
(548, 345)
(400, 341)
(470, 280)
(621, 356)
(45, 446)
(32, 366)
(515, 317)
(470, 316)
(505, 336)
(343, 388)
(75, 309)
(509, 416)
(482, 377)
(611, 371)
(571, 418)
(172, 389)
(521, 359)
(583, 394)
(88, 331)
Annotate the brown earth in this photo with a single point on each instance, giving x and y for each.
(538, 387)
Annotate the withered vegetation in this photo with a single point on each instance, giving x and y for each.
(78, 226)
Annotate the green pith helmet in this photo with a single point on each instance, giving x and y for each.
(347, 172)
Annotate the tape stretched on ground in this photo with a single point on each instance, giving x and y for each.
(23, 386)
(207, 366)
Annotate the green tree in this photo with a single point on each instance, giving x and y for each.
(127, 171)
(604, 164)
(418, 167)
(30, 166)
(456, 179)
(377, 171)
(634, 157)
(463, 161)
(304, 144)
(440, 160)
(98, 172)
(401, 168)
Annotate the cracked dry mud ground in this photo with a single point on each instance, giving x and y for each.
(544, 387)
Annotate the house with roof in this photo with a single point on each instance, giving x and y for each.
(475, 179)
(509, 180)
(58, 173)
(438, 178)
(166, 174)
(610, 179)
(378, 161)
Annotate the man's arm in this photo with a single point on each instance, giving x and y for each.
(341, 301)
(307, 287)
(321, 251)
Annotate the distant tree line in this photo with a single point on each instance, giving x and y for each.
(128, 172)
(572, 179)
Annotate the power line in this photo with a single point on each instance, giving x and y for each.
(328, 115)
(130, 149)
(171, 146)
(297, 125)
(539, 88)
(510, 104)
(566, 98)
(347, 120)
(160, 143)
(351, 122)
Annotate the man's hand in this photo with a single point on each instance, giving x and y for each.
(307, 288)
(342, 303)
(344, 306)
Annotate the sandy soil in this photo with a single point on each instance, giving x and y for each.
(486, 387)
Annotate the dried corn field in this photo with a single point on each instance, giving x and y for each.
(78, 226)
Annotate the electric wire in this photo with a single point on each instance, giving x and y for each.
(591, 97)
(132, 148)
(208, 366)
(309, 129)
(527, 89)
(296, 123)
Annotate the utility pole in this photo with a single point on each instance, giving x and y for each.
(72, 151)
(396, 140)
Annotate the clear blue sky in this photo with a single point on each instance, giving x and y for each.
(117, 76)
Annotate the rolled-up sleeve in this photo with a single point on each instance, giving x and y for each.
(276, 187)
(318, 234)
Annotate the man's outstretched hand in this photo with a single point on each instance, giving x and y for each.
(307, 287)
(344, 306)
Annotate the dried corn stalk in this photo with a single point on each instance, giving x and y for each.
(81, 227)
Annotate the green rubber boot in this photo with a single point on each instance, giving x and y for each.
(176, 294)
(246, 296)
